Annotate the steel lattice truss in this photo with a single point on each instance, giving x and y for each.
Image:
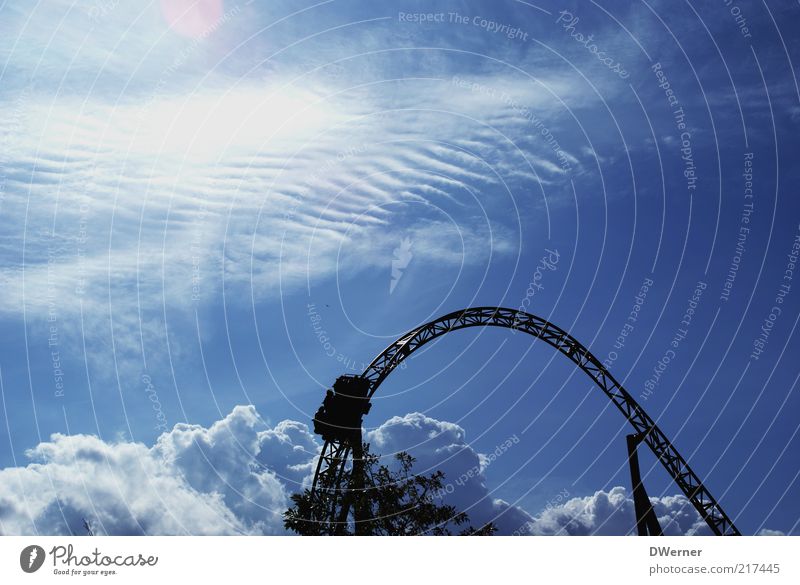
(330, 504)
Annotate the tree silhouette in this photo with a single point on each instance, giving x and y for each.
(396, 503)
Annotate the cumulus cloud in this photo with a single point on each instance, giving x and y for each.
(236, 475)
(612, 513)
(121, 488)
(770, 532)
(233, 477)
(440, 445)
(230, 478)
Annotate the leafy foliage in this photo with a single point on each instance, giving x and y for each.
(396, 502)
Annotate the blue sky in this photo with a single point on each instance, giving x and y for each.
(203, 204)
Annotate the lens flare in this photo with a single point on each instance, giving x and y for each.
(192, 18)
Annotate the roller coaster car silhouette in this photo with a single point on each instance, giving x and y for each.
(339, 417)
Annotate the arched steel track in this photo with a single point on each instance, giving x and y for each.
(328, 493)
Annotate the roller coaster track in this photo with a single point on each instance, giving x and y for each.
(329, 499)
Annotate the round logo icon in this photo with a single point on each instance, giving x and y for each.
(31, 558)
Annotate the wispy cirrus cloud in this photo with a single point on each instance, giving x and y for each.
(245, 187)
(154, 176)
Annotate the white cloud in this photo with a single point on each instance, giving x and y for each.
(769, 532)
(120, 488)
(259, 189)
(235, 477)
(612, 513)
(259, 177)
(157, 167)
(440, 445)
(229, 478)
